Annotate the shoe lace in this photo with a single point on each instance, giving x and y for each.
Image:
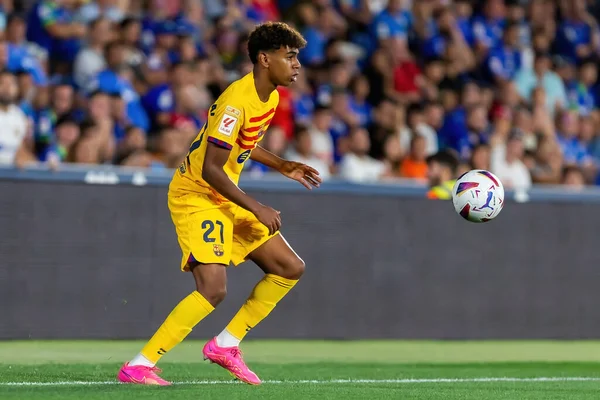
(154, 369)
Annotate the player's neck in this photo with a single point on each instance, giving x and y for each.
(264, 87)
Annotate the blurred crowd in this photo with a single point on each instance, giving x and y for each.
(421, 90)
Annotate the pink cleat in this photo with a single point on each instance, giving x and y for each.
(231, 359)
(141, 375)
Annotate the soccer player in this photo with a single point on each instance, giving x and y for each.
(441, 173)
(217, 223)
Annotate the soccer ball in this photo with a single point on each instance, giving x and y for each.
(478, 196)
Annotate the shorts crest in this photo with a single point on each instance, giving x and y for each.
(218, 250)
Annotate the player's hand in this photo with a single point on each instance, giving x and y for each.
(269, 217)
(306, 175)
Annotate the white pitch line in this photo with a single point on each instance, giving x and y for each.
(326, 382)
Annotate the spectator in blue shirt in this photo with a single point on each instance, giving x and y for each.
(393, 22)
(16, 35)
(117, 79)
(159, 101)
(356, 11)
(454, 133)
(17, 60)
(574, 151)
(303, 101)
(582, 93)
(157, 64)
(577, 35)
(318, 31)
(464, 13)
(478, 125)
(48, 111)
(51, 25)
(488, 28)
(590, 139)
(434, 38)
(505, 60)
(67, 133)
(358, 105)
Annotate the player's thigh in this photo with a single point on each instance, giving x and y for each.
(204, 230)
(276, 256)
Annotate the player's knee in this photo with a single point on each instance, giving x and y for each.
(214, 294)
(294, 268)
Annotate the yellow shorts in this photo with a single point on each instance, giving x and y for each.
(212, 232)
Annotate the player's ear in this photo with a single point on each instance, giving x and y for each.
(263, 59)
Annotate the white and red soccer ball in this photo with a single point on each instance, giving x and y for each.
(478, 196)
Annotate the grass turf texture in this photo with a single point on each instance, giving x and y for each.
(311, 370)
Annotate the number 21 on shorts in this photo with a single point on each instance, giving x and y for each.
(209, 227)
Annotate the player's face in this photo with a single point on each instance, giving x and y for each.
(434, 174)
(284, 66)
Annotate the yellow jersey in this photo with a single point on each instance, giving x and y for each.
(236, 121)
(442, 192)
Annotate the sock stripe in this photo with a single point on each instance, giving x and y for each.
(281, 281)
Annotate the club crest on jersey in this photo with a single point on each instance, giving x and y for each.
(218, 250)
(182, 168)
(243, 157)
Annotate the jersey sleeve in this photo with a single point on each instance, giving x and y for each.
(225, 120)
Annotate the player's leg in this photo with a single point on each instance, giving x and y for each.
(206, 240)
(211, 280)
(282, 268)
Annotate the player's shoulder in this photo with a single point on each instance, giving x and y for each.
(237, 91)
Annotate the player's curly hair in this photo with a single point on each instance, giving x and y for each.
(272, 36)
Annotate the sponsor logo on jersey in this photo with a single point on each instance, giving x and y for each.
(243, 157)
(232, 110)
(227, 124)
(218, 250)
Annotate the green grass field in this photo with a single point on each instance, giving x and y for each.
(312, 370)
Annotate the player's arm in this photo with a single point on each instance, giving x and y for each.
(302, 173)
(214, 174)
(48, 14)
(223, 126)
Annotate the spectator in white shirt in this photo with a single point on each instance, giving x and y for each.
(90, 60)
(109, 9)
(302, 152)
(357, 166)
(13, 123)
(507, 162)
(321, 140)
(416, 125)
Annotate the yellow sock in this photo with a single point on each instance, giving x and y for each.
(262, 301)
(177, 326)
